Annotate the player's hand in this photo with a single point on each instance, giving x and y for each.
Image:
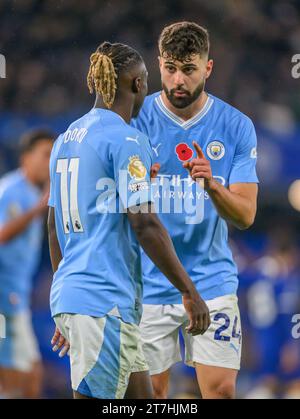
(198, 314)
(154, 170)
(60, 343)
(199, 168)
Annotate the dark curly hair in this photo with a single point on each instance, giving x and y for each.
(181, 40)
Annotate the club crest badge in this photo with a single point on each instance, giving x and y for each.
(215, 150)
(136, 168)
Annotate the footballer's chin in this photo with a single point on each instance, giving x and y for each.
(181, 98)
(181, 101)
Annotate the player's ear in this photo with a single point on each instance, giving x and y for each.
(136, 84)
(160, 61)
(209, 67)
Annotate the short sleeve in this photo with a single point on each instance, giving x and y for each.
(244, 162)
(132, 164)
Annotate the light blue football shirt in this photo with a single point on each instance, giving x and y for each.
(99, 167)
(228, 140)
(20, 256)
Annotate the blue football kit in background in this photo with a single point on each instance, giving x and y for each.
(20, 256)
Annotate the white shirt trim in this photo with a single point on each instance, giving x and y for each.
(179, 121)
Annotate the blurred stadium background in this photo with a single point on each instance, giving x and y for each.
(47, 46)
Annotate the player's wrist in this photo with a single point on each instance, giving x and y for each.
(211, 185)
(190, 292)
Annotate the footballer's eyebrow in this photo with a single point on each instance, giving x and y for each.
(183, 66)
(170, 63)
(190, 65)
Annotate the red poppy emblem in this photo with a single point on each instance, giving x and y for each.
(184, 152)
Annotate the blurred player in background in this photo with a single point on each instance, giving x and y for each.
(23, 202)
(96, 295)
(196, 135)
(271, 290)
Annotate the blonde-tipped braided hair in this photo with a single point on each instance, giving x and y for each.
(102, 78)
(105, 64)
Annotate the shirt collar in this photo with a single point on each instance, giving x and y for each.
(177, 120)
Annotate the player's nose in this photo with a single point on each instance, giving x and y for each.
(178, 79)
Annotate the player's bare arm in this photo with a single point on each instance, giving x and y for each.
(58, 341)
(55, 253)
(15, 227)
(157, 244)
(237, 204)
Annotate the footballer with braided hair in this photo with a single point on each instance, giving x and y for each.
(100, 211)
(111, 68)
(206, 150)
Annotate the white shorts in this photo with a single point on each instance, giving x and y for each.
(19, 349)
(220, 346)
(104, 351)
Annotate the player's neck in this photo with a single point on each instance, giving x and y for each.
(188, 112)
(118, 107)
(29, 176)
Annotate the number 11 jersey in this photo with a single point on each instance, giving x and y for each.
(98, 168)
